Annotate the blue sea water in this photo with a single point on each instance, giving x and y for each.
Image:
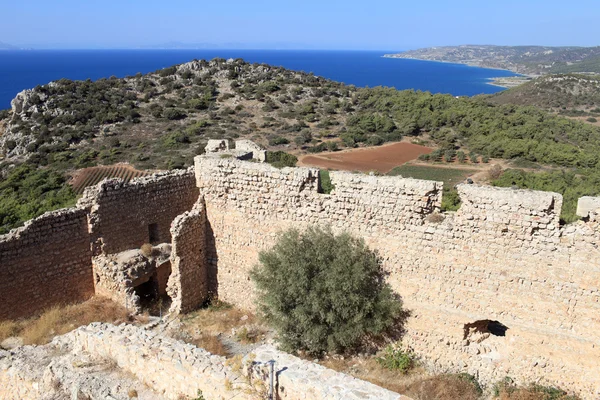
(25, 69)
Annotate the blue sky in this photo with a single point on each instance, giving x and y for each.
(323, 24)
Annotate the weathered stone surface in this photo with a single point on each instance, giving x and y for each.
(297, 379)
(44, 263)
(587, 205)
(502, 256)
(104, 361)
(122, 215)
(258, 153)
(188, 283)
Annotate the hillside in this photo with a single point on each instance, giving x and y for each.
(163, 119)
(533, 60)
(567, 94)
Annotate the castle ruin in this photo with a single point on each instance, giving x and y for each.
(498, 288)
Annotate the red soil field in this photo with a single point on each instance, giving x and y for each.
(90, 176)
(382, 158)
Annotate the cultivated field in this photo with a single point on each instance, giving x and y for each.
(91, 176)
(381, 159)
(450, 176)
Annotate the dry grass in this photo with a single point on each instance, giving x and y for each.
(217, 319)
(146, 249)
(442, 387)
(9, 328)
(532, 392)
(62, 319)
(417, 383)
(248, 335)
(212, 344)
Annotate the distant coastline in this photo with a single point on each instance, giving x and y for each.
(501, 81)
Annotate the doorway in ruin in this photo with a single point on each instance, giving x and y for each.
(152, 291)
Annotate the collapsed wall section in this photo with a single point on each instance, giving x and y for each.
(102, 361)
(45, 263)
(502, 260)
(188, 283)
(126, 215)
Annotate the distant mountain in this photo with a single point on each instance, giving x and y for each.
(534, 60)
(6, 46)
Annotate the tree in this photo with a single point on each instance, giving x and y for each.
(324, 292)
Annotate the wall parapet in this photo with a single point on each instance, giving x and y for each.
(125, 215)
(44, 263)
(503, 257)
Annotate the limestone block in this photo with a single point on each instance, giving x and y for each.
(587, 205)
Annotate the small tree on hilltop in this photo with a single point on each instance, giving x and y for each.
(323, 292)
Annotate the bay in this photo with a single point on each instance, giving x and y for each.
(25, 69)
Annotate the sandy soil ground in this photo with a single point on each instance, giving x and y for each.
(382, 158)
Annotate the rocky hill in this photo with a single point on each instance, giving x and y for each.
(161, 120)
(564, 93)
(532, 60)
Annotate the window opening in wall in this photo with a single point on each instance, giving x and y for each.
(153, 235)
(488, 326)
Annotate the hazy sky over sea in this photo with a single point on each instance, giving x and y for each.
(307, 24)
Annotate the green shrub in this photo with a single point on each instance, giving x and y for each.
(396, 359)
(450, 200)
(277, 140)
(323, 292)
(28, 192)
(591, 119)
(280, 159)
(325, 182)
(174, 114)
(472, 380)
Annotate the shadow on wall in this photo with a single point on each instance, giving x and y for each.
(212, 263)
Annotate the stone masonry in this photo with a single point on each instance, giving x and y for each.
(498, 288)
(49, 261)
(188, 283)
(44, 263)
(124, 216)
(502, 260)
(103, 361)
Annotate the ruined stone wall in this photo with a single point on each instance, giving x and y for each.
(126, 215)
(45, 263)
(188, 283)
(102, 361)
(502, 257)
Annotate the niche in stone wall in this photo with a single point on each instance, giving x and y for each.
(480, 330)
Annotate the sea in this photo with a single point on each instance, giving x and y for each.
(24, 69)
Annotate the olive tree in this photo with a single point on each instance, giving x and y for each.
(324, 292)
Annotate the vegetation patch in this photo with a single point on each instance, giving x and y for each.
(59, 320)
(324, 293)
(450, 176)
(281, 159)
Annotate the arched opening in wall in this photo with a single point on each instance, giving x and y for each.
(482, 329)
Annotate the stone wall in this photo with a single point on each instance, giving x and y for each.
(45, 263)
(126, 215)
(502, 258)
(188, 283)
(103, 361)
(298, 379)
